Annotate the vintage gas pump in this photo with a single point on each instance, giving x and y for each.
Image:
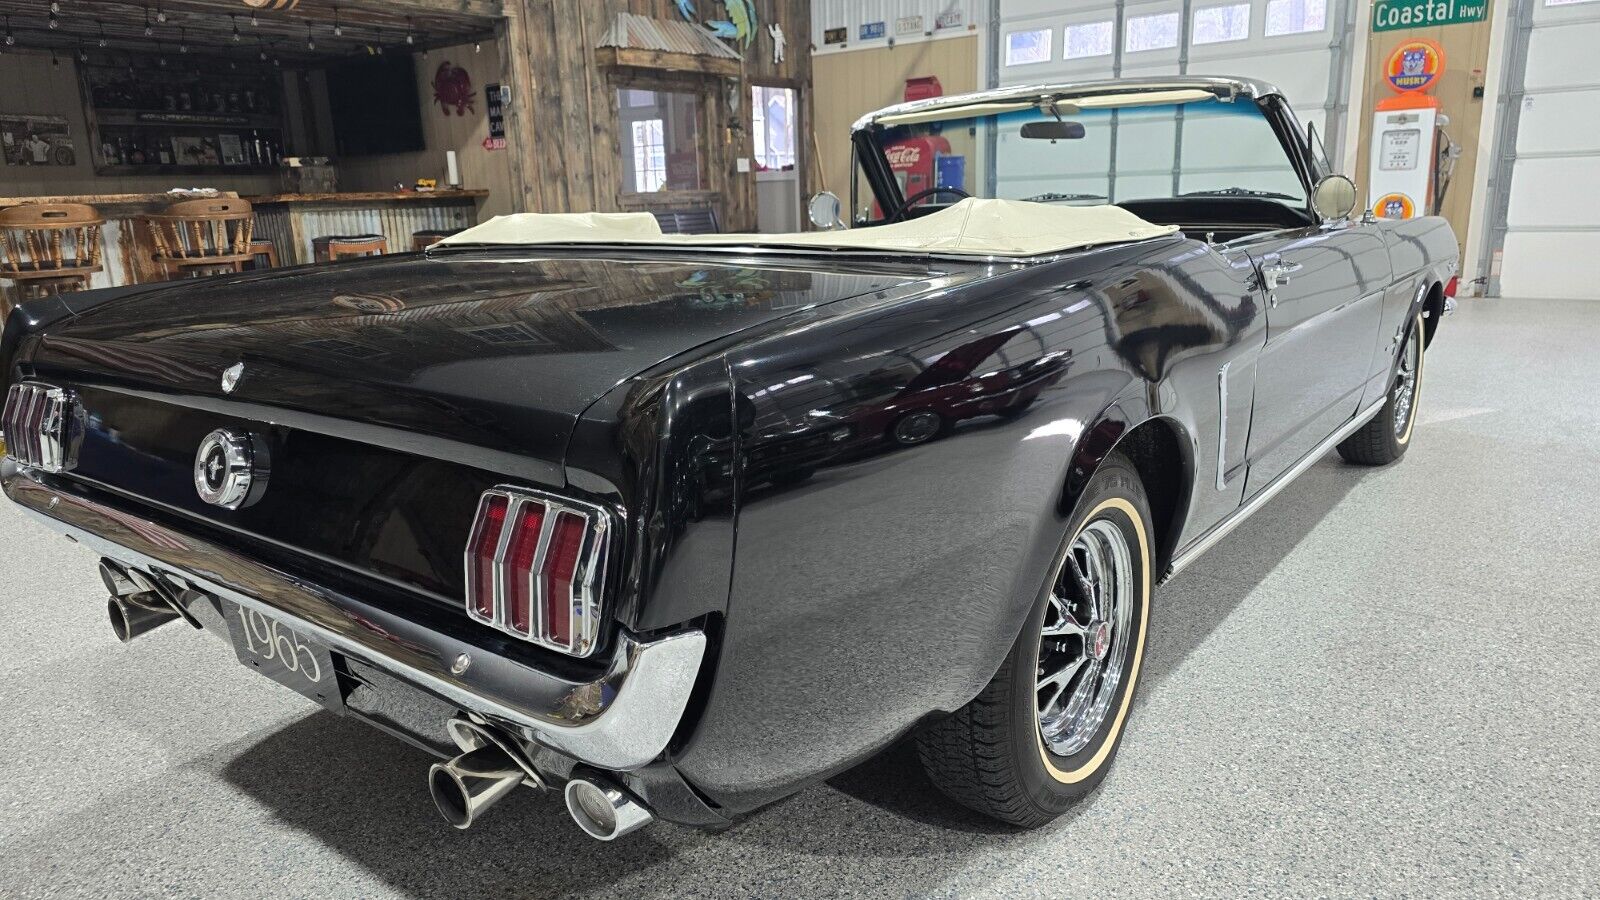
(1412, 156)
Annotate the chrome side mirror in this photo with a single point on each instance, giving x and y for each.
(1334, 198)
(825, 211)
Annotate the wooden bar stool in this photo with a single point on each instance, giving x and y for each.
(47, 248)
(333, 247)
(263, 254)
(422, 240)
(203, 237)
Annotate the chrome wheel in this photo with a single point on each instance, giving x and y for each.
(916, 427)
(1405, 386)
(1083, 644)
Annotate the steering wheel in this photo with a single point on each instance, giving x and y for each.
(920, 196)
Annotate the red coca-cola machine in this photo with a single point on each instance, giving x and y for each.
(914, 162)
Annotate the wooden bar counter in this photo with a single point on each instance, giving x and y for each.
(292, 221)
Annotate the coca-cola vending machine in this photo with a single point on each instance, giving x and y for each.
(915, 164)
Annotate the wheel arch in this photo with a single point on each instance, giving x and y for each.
(1161, 449)
(1433, 309)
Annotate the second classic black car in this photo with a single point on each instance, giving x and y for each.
(680, 525)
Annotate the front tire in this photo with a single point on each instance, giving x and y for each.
(1043, 732)
(1385, 439)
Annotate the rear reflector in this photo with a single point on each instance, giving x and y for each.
(535, 566)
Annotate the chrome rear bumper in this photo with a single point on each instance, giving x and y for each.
(619, 721)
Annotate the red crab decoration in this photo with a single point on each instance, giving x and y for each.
(452, 87)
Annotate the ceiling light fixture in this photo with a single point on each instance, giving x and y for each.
(311, 39)
(235, 19)
(102, 27)
(161, 14)
(338, 30)
(11, 39)
(147, 28)
(410, 38)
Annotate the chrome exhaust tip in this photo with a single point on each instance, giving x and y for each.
(488, 768)
(136, 614)
(603, 809)
(465, 787)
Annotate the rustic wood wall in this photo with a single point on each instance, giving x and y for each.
(563, 124)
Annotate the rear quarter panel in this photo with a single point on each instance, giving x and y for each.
(875, 583)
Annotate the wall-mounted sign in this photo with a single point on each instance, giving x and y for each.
(871, 31)
(950, 18)
(495, 98)
(1414, 65)
(1392, 15)
(1394, 206)
(835, 35)
(908, 25)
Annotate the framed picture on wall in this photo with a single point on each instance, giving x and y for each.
(195, 151)
(232, 150)
(36, 141)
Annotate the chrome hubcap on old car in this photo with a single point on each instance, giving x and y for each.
(1083, 645)
(1405, 388)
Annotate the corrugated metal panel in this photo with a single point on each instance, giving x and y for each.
(395, 222)
(634, 32)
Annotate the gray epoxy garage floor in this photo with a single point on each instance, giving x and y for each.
(1387, 683)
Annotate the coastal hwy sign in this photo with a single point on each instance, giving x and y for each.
(1391, 15)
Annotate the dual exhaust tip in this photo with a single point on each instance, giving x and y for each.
(138, 604)
(491, 766)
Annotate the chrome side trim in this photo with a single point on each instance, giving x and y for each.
(1220, 530)
(619, 720)
(1222, 426)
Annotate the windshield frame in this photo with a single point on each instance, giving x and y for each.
(868, 152)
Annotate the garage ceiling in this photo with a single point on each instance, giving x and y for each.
(216, 26)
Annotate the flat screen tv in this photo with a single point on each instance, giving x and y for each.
(375, 106)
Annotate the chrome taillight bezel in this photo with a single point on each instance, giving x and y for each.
(42, 428)
(586, 592)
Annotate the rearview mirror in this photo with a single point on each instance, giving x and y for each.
(1052, 131)
(1334, 198)
(824, 211)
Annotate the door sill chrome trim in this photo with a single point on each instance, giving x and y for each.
(1254, 504)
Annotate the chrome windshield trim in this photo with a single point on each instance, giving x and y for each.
(1248, 87)
(620, 720)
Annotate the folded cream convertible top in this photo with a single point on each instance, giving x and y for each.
(972, 227)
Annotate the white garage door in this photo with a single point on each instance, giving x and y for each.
(1295, 44)
(1549, 220)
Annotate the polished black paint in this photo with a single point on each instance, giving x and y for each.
(740, 411)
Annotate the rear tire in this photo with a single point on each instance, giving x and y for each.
(1385, 439)
(999, 755)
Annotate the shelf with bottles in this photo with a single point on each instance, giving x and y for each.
(137, 150)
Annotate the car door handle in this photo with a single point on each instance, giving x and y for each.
(1276, 275)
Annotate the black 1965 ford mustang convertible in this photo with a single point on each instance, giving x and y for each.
(678, 525)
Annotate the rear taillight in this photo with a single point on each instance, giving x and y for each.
(1452, 285)
(535, 566)
(41, 426)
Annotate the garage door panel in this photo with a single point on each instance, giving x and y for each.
(1558, 192)
(1560, 122)
(1562, 57)
(1550, 264)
